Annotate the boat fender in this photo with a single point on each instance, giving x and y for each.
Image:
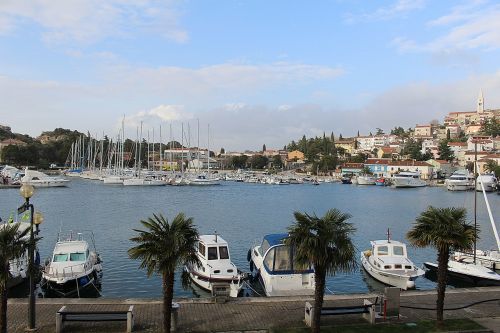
(37, 258)
(251, 265)
(368, 253)
(249, 254)
(83, 281)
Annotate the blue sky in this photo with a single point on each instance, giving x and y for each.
(257, 71)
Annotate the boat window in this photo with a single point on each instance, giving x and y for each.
(230, 270)
(60, 257)
(78, 256)
(264, 247)
(212, 253)
(408, 267)
(269, 260)
(223, 253)
(382, 251)
(217, 271)
(387, 267)
(398, 250)
(398, 266)
(201, 249)
(282, 260)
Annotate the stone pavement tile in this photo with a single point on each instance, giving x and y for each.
(492, 324)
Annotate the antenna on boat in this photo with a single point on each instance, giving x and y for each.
(215, 232)
(388, 235)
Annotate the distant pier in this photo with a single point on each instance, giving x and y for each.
(254, 313)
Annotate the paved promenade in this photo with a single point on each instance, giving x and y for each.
(202, 315)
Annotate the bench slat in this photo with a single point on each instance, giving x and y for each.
(108, 317)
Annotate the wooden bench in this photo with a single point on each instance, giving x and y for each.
(367, 310)
(64, 315)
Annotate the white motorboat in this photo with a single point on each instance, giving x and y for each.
(461, 180)
(469, 272)
(387, 261)
(203, 180)
(143, 182)
(216, 272)
(366, 180)
(272, 262)
(73, 267)
(407, 179)
(113, 180)
(39, 179)
(489, 182)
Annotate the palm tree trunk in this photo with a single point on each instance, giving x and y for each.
(443, 257)
(319, 291)
(3, 309)
(168, 294)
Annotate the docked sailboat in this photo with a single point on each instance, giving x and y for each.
(273, 264)
(408, 179)
(216, 271)
(73, 267)
(387, 261)
(461, 180)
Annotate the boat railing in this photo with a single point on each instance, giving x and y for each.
(67, 271)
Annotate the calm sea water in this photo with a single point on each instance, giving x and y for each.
(242, 214)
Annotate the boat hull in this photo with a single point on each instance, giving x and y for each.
(462, 272)
(400, 281)
(207, 283)
(71, 287)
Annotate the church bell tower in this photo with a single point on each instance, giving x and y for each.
(480, 102)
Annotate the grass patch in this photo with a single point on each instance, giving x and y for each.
(423, 326)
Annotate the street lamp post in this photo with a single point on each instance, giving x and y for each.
(35, 219)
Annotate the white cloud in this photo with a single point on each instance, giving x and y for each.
(91, 20)
(471, 26)
(396, 10)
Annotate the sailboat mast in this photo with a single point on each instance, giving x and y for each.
(208, 151)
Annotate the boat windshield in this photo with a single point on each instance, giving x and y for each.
(223, 252)
(212, 253)
(398, 250)
(77, 256)
(60, 257)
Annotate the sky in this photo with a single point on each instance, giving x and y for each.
(255, 72)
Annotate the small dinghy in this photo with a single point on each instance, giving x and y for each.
(387, 261)
(73, 267)
(216, 273)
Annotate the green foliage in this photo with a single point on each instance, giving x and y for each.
(399, 131)
(413, 148)
(258, 161)
(445, 153)
(492, 166)
(277, 163)
(239, 162)
(491, 127)
(379, 131)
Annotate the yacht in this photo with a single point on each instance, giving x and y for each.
(216, 271)
(408, 179)
(73, 267)
(39, 179)
(203, 180)
(272, 263)
(366, 180)
(387, 261)
(461, 180)
(489, 182)
(143, 182)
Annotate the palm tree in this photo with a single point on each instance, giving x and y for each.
(326, 243)
(13, 244)
(163, 247)
(445, 229)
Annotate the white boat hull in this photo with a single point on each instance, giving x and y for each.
(366, 180)
(143, 182)
(403, 281)
(474, 273)
(408, 182)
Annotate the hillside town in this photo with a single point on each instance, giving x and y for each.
(434, 150)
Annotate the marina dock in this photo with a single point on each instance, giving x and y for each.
(256, 313)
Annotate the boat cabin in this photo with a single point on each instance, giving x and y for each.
(279, 258)
(213, 252)
(72, 251)
(390, 255)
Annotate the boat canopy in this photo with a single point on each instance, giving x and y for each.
(279, 258)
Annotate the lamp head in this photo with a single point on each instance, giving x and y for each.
(27, 191)
(38, 218)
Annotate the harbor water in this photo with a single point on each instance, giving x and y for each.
(242, 214)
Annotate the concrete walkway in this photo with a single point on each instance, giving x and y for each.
(251, 314)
